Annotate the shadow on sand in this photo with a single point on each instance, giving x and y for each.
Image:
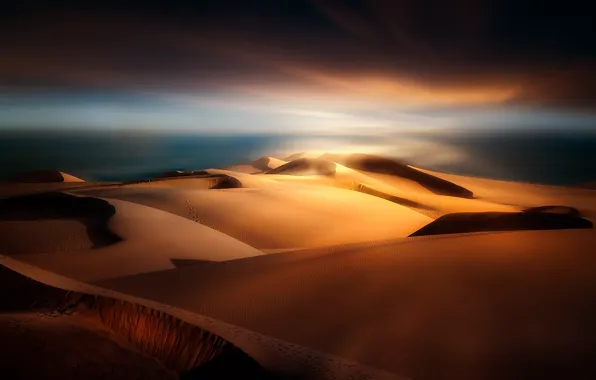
(92, 212)
(537, 218)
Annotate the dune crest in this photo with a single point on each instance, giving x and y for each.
(181, 347)
(42, 176)
(382, 165)
(534, 219)
(259, 165)
(306, 166)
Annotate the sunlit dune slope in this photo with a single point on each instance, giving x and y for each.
(382, 165)
(283, 217)
(147, 240)
(525, 195)
(392, 187)
(449, 307)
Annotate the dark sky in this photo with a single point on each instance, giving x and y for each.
(310, 57)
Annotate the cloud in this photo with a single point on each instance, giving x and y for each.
(326, 58)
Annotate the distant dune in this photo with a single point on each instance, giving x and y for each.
(502, 221)
(384, 165)
(46, 176)
(306, 166)
(319, 267)
(52, 222)
(260, 165)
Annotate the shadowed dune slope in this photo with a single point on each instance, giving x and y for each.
(377, 164)
(204, 181)
(502, 221)
(151, 239)
(54, 221)
(46, 176)
(179, 346)
(306, 166)
(564, 210)
(441, 307)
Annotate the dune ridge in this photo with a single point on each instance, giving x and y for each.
(471, 301)
(531, 219)
(46, 176)
(382, 165)
(306, 166)
(279, 358)
(179, 346)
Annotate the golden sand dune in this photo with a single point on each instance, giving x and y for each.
(382, 165)
(394, 188)
(197, 182)
(306, 166)
(260, 165)
(445, 308)
(343, 291)
(149, 240)
(525, 195)
(285, 217)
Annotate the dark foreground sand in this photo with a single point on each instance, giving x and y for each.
(42, 345)
(48, 332)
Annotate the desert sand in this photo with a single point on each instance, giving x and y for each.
(314, 266)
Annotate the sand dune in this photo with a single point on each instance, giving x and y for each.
(348, 289)
(525, 195)
(198, 182)
(119, 329)
(260, 165)
(150, 240)
(54, 222)
(396, 189)
(306, 166)
(503, 221)
(281, 359)
(446, 308)
(46, 176)
(377, 164)
(285, 217)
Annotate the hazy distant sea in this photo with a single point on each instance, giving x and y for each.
(539, 157)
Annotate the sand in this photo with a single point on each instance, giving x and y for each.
(285, 217)
(46, 176)
(260, 165)
(47, 346)
(332, 267)
(440, 308)
(148, 240)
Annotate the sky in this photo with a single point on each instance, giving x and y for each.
(287, 66)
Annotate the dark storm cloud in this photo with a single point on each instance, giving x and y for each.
(461, 50)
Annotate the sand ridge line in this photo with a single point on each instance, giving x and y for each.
(274, 355)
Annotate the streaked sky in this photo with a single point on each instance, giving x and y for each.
(319, 66)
